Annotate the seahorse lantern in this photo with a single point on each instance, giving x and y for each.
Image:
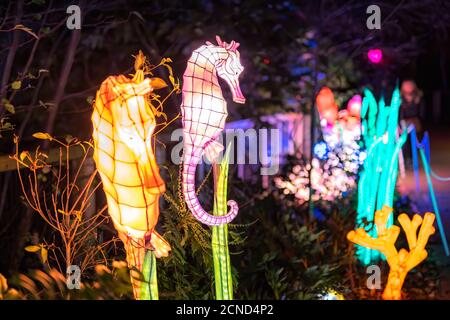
(123, 124)
(204, 111)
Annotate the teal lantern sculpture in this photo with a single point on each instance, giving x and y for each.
(379, 175)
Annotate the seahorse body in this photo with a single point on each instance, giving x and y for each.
(204, 111)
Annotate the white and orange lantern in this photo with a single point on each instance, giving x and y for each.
(123, 125)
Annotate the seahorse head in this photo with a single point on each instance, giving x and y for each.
(230, 68)
(133, 122)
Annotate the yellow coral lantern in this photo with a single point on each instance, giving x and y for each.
(124, 122)
(400, 262)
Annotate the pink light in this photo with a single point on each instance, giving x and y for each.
(375, 55)
(354, 106)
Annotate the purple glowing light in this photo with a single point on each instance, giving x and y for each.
(375, 55)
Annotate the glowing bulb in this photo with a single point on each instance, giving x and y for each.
(321, 150)
(375, 55)
(331, 295)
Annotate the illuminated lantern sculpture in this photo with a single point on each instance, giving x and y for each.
(400, 262)
(326, 105)
(325, 99)
(123, 122)
(354, 106)
(204, 111)
(353, 119)
(378, 178)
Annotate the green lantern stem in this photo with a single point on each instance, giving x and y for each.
(149, 285)
(221, 256)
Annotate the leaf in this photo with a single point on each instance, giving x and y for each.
(139, 61)
(78, 214)
(31, 76)
(68, 138)
(5, 125)
(23, 154)
(44, 254)
(83, 147)
(137, 14)
(44, 155)
(165, 62)
(26, 29)
(90, 99)
(89, 144)
(43, 136)
(172, 80)
(16, 85)
(8, 106)
(119, 264)
(45, 104)
(158, 83)
(3, 284)
(101, 269)
(32, 248)
(62, 212)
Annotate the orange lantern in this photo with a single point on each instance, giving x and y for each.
(326, 106)
(124, 122)
(402, 261)
(325, 99)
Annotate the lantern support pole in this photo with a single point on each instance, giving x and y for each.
(219, 239)
(149, 287)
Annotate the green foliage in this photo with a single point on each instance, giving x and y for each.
(287, 255)
(188, 272)
(102, 284)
